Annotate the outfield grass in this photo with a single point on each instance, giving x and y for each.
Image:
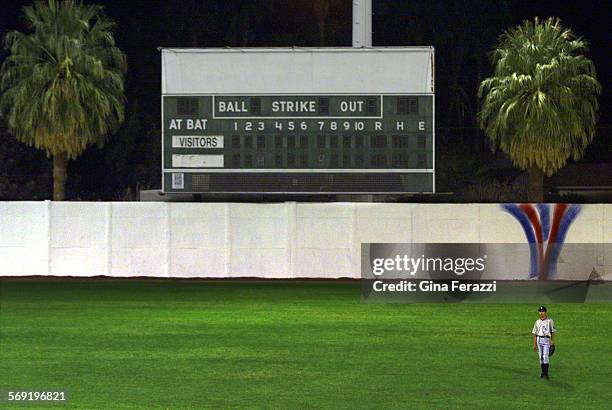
(176, 344)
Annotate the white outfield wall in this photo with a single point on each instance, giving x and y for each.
(284, 240)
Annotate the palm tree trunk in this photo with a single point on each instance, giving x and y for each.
(60, 170)
(535, 192)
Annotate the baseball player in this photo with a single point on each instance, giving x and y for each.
(543, 339)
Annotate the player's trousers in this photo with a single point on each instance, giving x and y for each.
(543, 349)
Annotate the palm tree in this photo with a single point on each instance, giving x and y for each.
(540, 106)
(62, 83)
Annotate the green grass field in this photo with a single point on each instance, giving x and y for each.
(178, 344)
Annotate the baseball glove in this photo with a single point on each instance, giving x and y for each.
(551, 351)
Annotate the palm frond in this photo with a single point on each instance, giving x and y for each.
(540, 106)
(62, 83)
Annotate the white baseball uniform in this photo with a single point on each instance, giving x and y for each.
(544, 329)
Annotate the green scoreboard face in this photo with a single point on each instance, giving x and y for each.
(298, 144)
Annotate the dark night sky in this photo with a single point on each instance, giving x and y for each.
(145, 25)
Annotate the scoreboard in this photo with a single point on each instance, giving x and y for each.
(298, 143)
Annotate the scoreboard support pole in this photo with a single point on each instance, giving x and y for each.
(362, 23)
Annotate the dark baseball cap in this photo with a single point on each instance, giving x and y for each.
(542, 309)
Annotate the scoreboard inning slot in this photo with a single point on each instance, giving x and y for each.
(299, 143)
